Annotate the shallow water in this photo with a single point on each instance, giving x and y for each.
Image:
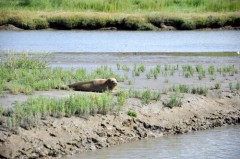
(215, 143)
(119, 41)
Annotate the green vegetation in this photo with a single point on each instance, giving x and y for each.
(211, 70)
(174, 101)
(238, 86)
(188, 71)
(29, 113)
(123, 6)
(146, 95)
(230, 86)
(181, 88)
(200, 90)
(28, 73)
(132, 113)
(122, 97)
(121, 15)
(217, 85)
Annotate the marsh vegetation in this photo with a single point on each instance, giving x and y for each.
(29, 73)
(121, 15)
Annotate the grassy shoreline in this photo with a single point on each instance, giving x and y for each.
(35, 20)
(120, 15)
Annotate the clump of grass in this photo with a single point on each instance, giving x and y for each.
(146, 95)
(125, 68)
(188, 71)
(130, 81)
(16, 88)
(230, 86)
(201, 72)
(122, 97)
(118, 66)
(132, 113)
(200, 90)
(149, 74)
(217, 85)
(26, 61)
(141, 68)
(212, 78)
(174, 101)
(1, 111)
(211, 70)
(238, 86)
(155, 74)
(29, 113)
(181, 88)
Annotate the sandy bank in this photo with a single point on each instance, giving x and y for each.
(56, 137)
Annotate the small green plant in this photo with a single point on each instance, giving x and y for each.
(146, 96)
(230, 86)
(212, 78)
(174, 101)
(238, 86)
(125, 68)
(211, 70)
(1, 111)
(132, 113)
(122, 97)
(155, 74)
(141, 68)
(180, 88)
(217, 85)
(188, 71)
(158, 68)
(118, 66)
(199, 68)
(149, 75)
(130, 81)
(200, 91)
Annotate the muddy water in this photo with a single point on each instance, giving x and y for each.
(216, 143)
(120, 41)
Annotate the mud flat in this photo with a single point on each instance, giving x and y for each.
(57, 137)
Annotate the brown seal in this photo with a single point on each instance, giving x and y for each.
(96, 85)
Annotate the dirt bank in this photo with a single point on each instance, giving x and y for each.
(55, 137)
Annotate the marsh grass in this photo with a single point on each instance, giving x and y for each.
(29, 113)
(134, 20)
(25, 73)
(174, 101)
(230, 85)
(188, 71)
(123, 6)
(122, 97)
(132, 113)
(238, 86)
(180, 88)
(211, 70)
(231, 70)
(200, 90)
(146, 96)
(217, 85)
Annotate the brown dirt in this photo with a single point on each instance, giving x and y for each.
(9, 27)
